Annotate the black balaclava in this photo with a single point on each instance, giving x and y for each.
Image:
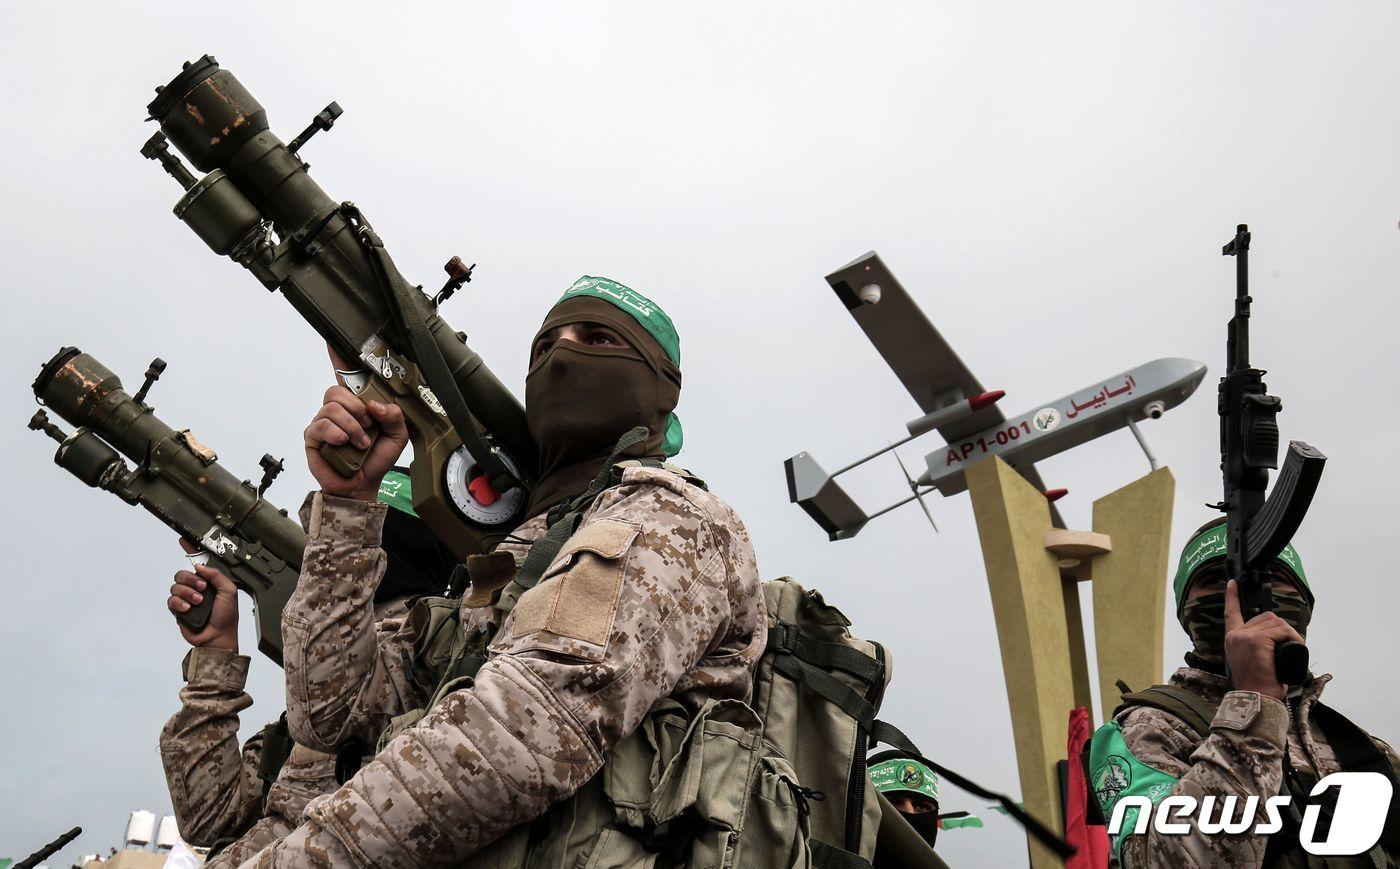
(580, 400)
(924, 823)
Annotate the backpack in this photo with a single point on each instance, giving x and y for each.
(817, 690)
(780, 781)
(683, 787)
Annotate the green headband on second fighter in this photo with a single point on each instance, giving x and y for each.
(891, 774)
(651, 318)
(1210, 544)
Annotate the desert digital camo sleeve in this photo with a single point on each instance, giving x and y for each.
(345, 671)
(214, 784)
(656, 595)
(345, 681)
(1149, 752)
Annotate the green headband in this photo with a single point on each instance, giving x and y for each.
(1210, 544)
(650, 317)
(397, 491)
(904, 774)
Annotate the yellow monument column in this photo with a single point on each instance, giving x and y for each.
(1028, 599)
(1033, 572)
(1130, 584)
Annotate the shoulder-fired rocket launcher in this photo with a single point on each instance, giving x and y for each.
(473, 456)
(176, 478)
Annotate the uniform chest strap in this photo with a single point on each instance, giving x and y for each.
(1196, 711)
(564, 518)
(1357, 752)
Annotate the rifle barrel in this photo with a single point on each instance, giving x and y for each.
(48, 850)
(1237, 345)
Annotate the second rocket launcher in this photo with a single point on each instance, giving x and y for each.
(176, 478)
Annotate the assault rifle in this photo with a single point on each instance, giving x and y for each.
(179, 480)
(1258, 528)
(473, 458)
(48, 850)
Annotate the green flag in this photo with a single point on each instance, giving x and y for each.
(396, 490)
(971, 820)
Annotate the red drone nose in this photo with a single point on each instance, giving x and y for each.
(977, 402)
(482, 490)
(1053, 495)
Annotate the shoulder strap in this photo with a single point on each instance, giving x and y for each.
(563, 521)
(465, 659)
(276, 748)
(1357, 752)
(684, 474)
(806, 660)
(564, 518)
(1190, 707)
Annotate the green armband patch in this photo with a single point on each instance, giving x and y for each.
(1115, 773)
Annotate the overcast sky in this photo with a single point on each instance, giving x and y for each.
(1051, 182)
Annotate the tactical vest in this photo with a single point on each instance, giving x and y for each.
(1355, 752)
(776, 782)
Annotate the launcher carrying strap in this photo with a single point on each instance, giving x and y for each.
(398, 295)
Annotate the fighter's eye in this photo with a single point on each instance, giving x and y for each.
(1211, 577)
(603, 338)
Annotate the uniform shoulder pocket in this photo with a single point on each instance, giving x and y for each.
(571, 610)
(609, 538)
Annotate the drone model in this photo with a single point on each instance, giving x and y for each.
(966, 414)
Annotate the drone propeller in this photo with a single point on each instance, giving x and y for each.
(914, 487)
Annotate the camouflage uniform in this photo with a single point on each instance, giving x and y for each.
(214, 786)
(1243, 756)
(656, 595)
